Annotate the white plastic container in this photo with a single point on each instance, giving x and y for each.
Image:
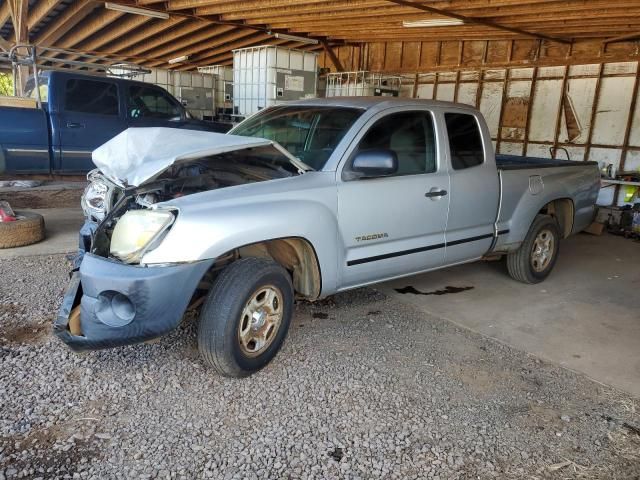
(196, 92)
(362, 84)
(194, 89)
(223, 86)
(268, 75)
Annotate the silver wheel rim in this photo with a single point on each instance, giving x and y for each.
(542, 251)
(260, 320)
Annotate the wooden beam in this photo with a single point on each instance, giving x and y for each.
(64, 22)
(5, 13)
(145, 33)
(622, 38)
(40, 11)
(119, 30)
(5, 44)
(19, 11)
(478, 21)
(194, 44)
(332, 56)
(89, 27)
(217, 20)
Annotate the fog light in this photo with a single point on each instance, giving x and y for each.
(114, 309)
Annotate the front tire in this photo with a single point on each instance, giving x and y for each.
(246, 316)
(537, 255)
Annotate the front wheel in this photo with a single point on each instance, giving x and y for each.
(537, 255)
(246, 316)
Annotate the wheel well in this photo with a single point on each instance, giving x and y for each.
(295, 254)
(563, 211)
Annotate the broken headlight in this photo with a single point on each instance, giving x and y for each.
(137, 232)
(97, 197)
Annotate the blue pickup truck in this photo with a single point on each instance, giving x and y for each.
(79, 113)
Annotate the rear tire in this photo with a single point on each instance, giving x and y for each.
(246, 316)
(537, 255)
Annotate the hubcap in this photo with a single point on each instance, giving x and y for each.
(542, 251)
(260, 320)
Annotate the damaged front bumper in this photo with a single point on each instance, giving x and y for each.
(124, 304)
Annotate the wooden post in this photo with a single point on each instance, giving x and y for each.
(594, 112)
(332, 56)
(19, 11)
(503, 103)
(532, 96)
(627, 133)
(4, 44)
(563, 93)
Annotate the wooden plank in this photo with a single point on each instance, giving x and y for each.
(332, 56)
(594, 112)
(88, 28)
(64, 22)
(4, 44)
(147, 33)
(19, 13)
(18, 102)
(5, 13)
(532, 97)
(40, 11)
(622, 38)
(563, 99)
(223, 36)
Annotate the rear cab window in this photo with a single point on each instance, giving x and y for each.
(91, 96)
(465, 140)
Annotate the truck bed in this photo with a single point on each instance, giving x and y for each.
(516, 162)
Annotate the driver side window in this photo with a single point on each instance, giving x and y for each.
(147, 102)
(410, 135)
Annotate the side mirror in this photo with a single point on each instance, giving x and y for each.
(375, 163)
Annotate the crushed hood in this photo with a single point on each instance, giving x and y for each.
(138, 155)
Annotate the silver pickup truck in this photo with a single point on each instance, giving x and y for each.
(303, 200)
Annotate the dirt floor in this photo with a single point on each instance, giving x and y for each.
(365, 387)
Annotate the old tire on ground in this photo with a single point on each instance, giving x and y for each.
(537, 255)
(246, 316)
(27, 229)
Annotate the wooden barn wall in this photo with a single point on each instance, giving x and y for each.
(580, 108)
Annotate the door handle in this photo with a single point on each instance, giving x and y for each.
(75, 125)
(435, 193)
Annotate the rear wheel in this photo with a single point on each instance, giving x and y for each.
(537, 255)
(246, 316)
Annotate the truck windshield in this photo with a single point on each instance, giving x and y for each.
(310, 133)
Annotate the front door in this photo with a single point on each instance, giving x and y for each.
(395, 225)
(90, 116)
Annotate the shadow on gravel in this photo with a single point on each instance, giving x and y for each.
(24, 334)
(60, 452)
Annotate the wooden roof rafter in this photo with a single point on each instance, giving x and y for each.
(199, 27)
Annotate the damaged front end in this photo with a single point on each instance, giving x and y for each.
(114, 298)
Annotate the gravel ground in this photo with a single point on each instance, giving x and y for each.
(365, 388)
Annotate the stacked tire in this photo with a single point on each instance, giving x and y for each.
(28, 228)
